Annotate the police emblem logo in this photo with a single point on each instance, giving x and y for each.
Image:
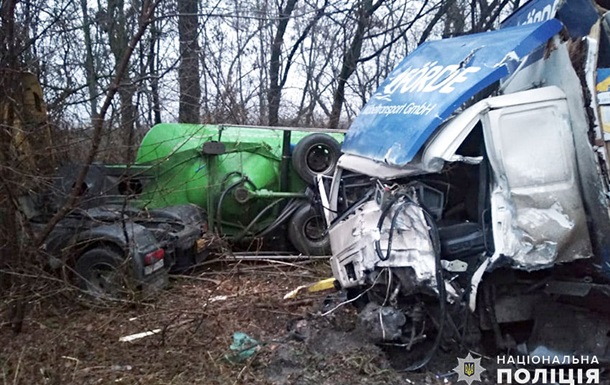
(469, 369)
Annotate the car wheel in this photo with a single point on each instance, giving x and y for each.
(102, 273)
(315, 154)
(307, 232)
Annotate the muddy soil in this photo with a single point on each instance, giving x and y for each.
(66, 339)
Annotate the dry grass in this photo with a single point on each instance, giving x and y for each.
(65, 343)
(68, 340)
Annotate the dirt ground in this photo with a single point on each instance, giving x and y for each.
(68, 341)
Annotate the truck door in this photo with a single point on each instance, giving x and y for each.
(537, 208)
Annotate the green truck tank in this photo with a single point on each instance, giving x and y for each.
(251, 185)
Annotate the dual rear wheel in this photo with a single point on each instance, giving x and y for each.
(313, 155)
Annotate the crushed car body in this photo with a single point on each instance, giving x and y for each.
(476, 178)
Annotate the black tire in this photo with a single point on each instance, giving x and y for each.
(307, 232)
(315, 154)
(102, 273)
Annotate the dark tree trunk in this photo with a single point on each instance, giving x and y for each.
(188, 72)
(154, 74)
(119, 39)
(275, 89)
(128, 120)
(350, 59)
(9, 247)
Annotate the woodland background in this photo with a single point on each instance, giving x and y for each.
(112, 69)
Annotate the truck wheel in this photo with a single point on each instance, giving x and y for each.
(307, 232)
(315, 154)
(101, 273)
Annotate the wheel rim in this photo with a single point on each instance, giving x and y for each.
(104, 280)
(313, 229)
(320, 159)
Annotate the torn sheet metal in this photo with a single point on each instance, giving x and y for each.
(537, 238)
(537, 208)
(353, 243)
(557, 70)
(432, 83)
(577, 15)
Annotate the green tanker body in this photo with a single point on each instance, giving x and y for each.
(185, 175)
(236, 174)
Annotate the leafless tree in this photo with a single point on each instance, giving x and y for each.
(275, 88)
(24, 162)
(364, 12)
(277, 62)
(188, 72)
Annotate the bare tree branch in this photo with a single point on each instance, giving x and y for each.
(148, 8)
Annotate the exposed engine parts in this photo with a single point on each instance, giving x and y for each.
(478, 219)
(415, 250)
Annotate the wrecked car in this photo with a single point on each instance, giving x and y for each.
(108, 250)
(470, 205)
(105, 195)
(191, 186)
(106, 254)
(112, 251)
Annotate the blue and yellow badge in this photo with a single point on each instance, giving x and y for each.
(469, 369)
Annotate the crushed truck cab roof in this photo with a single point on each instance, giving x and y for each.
(431, 83)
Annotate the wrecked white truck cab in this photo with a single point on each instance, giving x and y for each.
(476, 177)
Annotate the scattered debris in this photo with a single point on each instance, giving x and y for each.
(325, 284)
(138, 336)
(244, 347)
(219, 298)
(119, 368)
